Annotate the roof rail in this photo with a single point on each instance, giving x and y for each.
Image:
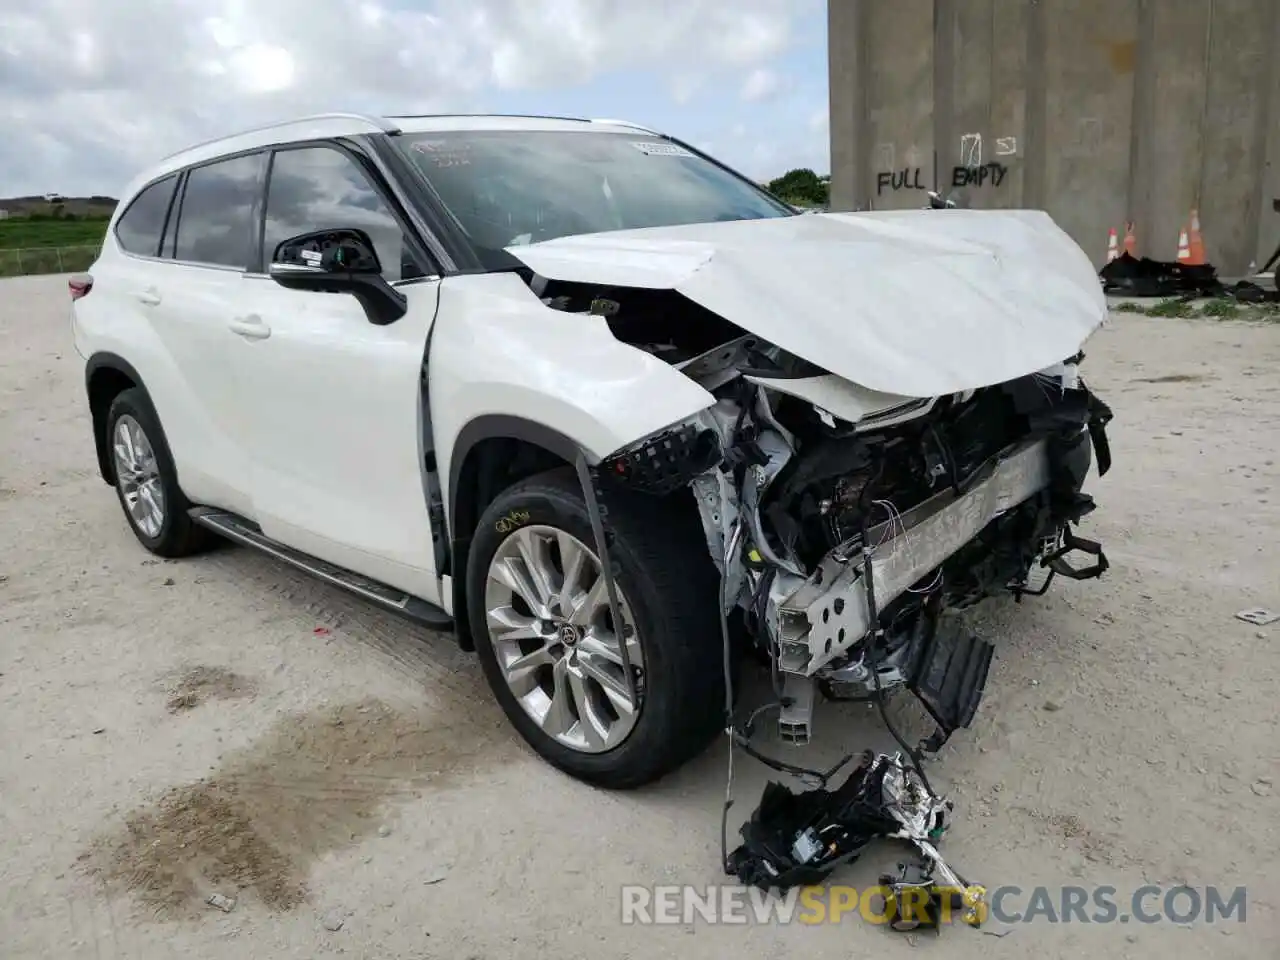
(626, 123)
(505, 116)
(381, 124)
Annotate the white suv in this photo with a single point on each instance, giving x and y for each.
(449, 363)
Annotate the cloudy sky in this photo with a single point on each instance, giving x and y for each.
(93, 90)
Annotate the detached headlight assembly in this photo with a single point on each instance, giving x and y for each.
(667, 460)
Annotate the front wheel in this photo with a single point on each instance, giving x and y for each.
(552, 652)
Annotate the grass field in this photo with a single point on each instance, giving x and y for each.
(21, 233)
(46, 245)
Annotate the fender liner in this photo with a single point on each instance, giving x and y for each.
(490, 427)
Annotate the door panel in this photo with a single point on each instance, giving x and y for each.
(333, 406)
(331, 400)
(190, 322)
(189, 294)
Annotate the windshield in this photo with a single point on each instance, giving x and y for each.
(514, 187)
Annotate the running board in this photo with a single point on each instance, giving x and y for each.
(237, 528)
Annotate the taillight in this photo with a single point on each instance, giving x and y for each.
(80, 286)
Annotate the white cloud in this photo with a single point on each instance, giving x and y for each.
(92, 91)
(685, 86)
(760, 84)
(262, 68)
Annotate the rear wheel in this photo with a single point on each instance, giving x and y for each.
(552, 652)
(146, 481)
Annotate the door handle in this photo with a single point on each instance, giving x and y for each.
(149, 297)
(252, 327)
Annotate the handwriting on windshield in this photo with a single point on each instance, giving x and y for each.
(660, 149)
(444, 154)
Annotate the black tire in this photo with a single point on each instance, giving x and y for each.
(178, 536)
(672, 587)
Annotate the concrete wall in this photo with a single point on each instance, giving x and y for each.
(1098, 111)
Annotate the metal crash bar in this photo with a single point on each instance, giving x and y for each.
(827, 615)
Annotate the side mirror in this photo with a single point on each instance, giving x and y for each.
(338, 261)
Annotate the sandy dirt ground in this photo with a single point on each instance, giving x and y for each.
(225, 726)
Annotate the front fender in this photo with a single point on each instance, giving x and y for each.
(498, 352)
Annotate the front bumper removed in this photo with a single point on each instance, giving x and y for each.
(829, 614)
(823, 625)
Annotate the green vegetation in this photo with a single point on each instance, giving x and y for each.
(1222, 309)
(50, 243)
(1218, 309)
(802, 188)
(25, 233)
(1171, 308)
(21, 263)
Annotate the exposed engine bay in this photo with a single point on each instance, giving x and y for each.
(849, 536)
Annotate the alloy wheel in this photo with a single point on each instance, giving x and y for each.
(553, 635)
(138, 476)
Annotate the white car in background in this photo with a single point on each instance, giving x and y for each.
(448, 363)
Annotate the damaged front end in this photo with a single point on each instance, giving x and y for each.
(862, 476)
(863, 531)
(851, 548)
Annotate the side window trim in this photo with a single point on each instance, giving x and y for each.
(169, 235)
(177, 214)
(373, 175)
(260, 265)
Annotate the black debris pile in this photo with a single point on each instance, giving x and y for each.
(1246, 291)
(1143, 277)
(796, 839)
(1130, 276)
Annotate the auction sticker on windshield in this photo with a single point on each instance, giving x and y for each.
(660, 149)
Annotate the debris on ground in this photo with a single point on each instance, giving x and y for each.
(333, 921)
(797, 839)
(1143, 277)
(225, 904)
(1258, 616)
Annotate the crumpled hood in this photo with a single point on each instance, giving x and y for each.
(917, 303)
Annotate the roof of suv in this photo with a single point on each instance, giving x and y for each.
(328, 125)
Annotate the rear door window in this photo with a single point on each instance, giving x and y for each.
(216, 225)
(141, 226)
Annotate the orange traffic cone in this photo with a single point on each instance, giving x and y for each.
(1113, 246)
(1197, 241)
(1184, 248)
(1130, 240)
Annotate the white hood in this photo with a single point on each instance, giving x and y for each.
(917, 303)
